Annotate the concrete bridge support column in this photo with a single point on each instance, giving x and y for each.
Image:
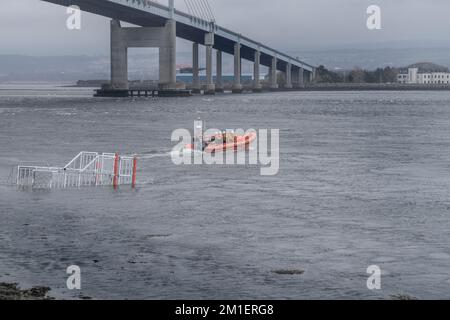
(273, 74)
(256, 72)
(219, 71)
(237, 86)
(168, 57)
(312, 75)
(119, 58)
(294, 76)
(195, 69)
(163, 38)
(301, 78)
(288, 84)
(209, 43)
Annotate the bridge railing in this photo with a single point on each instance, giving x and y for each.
(266, 49)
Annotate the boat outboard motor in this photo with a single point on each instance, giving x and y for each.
(198, 135)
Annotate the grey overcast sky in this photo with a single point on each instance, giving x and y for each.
(35, 27)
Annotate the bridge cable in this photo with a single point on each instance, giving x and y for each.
(189, 8)
(209, 10)
(197, 13)
(202, 6)
(201, 9)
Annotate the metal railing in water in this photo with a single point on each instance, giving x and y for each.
(87, 169)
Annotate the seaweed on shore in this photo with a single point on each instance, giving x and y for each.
(11, 291)
(403, 297)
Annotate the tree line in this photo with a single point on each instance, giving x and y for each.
(357, 75)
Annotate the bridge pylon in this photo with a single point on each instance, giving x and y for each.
(237, 85)
(163, 38)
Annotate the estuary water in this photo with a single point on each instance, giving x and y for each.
(364, 180)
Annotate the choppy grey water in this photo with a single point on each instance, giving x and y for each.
(364, 180)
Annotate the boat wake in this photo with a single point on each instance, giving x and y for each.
(153, 155)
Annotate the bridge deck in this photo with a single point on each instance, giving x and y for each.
(147, 14)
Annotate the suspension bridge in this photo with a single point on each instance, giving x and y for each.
(159, 25)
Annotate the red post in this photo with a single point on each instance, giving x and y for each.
(116, 171)
(133, 178)
(98, 167)
(247, 142)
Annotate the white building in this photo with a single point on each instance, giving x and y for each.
(415, 76)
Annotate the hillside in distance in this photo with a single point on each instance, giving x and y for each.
(145, 65)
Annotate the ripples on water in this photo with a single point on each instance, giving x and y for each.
(364, 179)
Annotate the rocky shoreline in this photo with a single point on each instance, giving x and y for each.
(11, 291)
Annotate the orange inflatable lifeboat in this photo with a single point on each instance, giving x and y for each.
(225, 142)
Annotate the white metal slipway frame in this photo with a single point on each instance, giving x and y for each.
(87, 169)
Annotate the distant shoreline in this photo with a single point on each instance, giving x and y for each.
(320, 86)
(374, 87)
